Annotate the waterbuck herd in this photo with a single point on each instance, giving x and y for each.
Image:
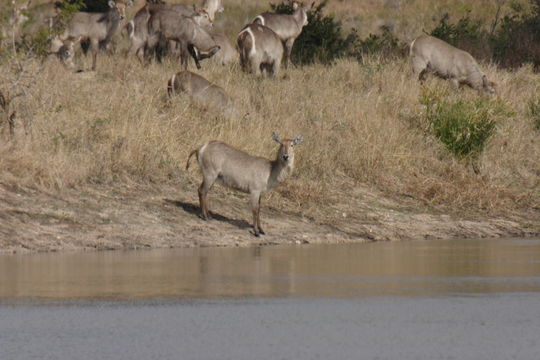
(186, 32)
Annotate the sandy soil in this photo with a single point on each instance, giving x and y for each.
(144, 216)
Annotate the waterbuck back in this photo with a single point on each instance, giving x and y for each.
(260, 50)
(201, 91)
(431, 55)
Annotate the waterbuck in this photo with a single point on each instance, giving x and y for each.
(227, 53)
(201, 91)
(431, 55)
(138, 31)
(287, 27)
(192, 38)
(64, 50)
(239, 170)
(260, 50)
(96, 27)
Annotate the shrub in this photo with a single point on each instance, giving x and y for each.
(463, 126)
(517, 41)
(322, 39)
(386, 44)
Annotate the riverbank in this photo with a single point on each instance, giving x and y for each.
(139, 216)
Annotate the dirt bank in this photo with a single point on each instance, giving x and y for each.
(144, 216)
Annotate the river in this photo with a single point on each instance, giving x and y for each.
(454, 299)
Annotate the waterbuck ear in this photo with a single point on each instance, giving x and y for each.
(130, 2)
(112, 3)
(275, 137)
(294, 5)
(298, 140)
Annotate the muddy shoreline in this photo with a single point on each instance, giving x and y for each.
(145, 217)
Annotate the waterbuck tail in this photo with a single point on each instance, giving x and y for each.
(189, 158)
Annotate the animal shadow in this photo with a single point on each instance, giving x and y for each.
(195, 210)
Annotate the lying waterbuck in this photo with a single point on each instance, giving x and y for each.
(239, 170)
(429, 54)
(96, 27)
(192, 38)
(201, 91)
(260, 50)
(64, 50)
(287, 27)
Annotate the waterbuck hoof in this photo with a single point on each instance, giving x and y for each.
(256, 234)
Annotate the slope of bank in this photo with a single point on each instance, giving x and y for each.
(144, 217)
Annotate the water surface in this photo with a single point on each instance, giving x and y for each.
(459, 299)
(417, 268)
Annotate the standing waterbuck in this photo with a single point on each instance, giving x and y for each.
(432, 55)
(201, 91)
(239, 170)
(260, 50)
(138, 28)
(187, 31)
(287, 27)
(96, 27)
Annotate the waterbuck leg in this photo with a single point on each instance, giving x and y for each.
(194, 54)
(95, 48)
(288, 49)
(206, 185)
(255, 201)
(259, 218)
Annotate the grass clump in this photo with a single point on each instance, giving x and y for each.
(463, 126)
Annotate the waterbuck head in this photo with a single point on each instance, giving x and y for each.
(489, 87)
(286, 151)
(120, 6)
(201, 17)
(300, 10)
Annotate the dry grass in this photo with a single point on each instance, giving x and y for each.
(116, 125)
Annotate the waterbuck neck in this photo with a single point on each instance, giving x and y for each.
(280, 170)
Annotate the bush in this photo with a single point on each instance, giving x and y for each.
(322, 39)
(517, 41)
(463, 126)
(386, 44)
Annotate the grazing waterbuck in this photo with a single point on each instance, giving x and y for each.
(201, 91)
(431, 55)
(260, 50)
(287, 27)
(96, 27)
(239, 170)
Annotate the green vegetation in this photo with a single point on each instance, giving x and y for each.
(463, 126)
